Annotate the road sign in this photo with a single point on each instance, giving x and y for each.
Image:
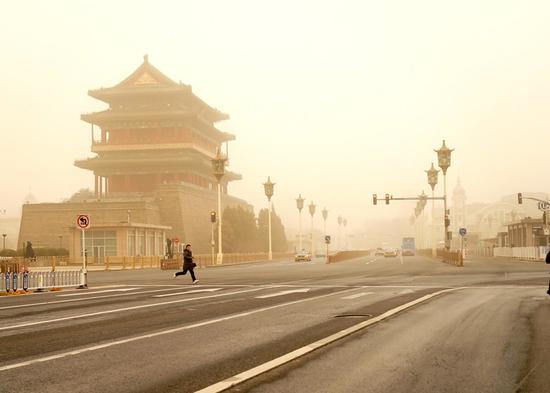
(327, 239)
(176, 240)
(544, 205)
(546, 231)
(462, 231)
(83, 221)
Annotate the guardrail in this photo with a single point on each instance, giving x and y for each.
(206, 260)
(451, 257)
(12, 282)
(522, 253)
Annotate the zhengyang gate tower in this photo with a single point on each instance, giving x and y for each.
(152, 171)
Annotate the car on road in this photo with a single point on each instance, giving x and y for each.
(390, 254)
(302, 256)
(379, 252)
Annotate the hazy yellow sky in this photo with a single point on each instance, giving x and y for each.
(336, 100)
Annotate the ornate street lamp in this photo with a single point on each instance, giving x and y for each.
(4, 240)
(345, 222)
(268, 188)
(444, 162)
(312, 212)
(339, 233)
(324, 212)
(432, 181)
(218, 167)
(300, 206)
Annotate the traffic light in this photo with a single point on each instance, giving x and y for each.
(544, 218)
(520, 198)
(387, 199)
(212, 216)
(374, 199)
(447, 221)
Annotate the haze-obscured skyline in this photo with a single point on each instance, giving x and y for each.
(333, 100)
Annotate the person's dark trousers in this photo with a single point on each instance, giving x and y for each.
(184, 272)
(548, 292)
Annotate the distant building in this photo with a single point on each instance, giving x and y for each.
(153, 147)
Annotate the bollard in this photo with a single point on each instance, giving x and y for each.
(14, 278)
(25, 281)
(8, 281)
(107, 262)
(40, 283)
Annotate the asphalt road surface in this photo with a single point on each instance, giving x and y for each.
(373, 324)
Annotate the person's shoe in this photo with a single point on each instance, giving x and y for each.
(174, 275)
(196, 282)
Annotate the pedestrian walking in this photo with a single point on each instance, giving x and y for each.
(188, 264)
(548, 261)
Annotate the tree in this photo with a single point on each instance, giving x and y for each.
(278, 236)
(239, 231)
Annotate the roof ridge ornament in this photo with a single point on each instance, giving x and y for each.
(146, 58)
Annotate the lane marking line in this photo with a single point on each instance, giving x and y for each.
(164, 332)
(357, 295)
(187, 292)
(116, 310)
(92, 298)
(272, 364)
(282, 293)
(96, 292)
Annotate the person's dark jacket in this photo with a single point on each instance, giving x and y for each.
(548, 257)
(187, 257)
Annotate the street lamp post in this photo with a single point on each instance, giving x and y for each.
(339, 233)
(268, 188)
(444, 162)
(432, 181)
(312, 212)
(218, 166)
(4, 241)
(345, 222)
(300, 206)
(324, 212)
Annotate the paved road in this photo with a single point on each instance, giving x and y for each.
(376, 324)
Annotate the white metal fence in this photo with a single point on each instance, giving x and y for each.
(36, 280)
(524, 253)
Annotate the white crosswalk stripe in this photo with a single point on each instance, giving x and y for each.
(282, 293)
(355, 296)
(80, 293)
(187, 292)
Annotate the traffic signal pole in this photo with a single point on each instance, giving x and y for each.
(545, 207)
(423, 198)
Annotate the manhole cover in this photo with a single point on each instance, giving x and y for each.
(353, 316)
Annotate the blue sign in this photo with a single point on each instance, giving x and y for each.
(462, 231)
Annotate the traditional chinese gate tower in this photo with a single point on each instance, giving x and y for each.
(155, 132)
